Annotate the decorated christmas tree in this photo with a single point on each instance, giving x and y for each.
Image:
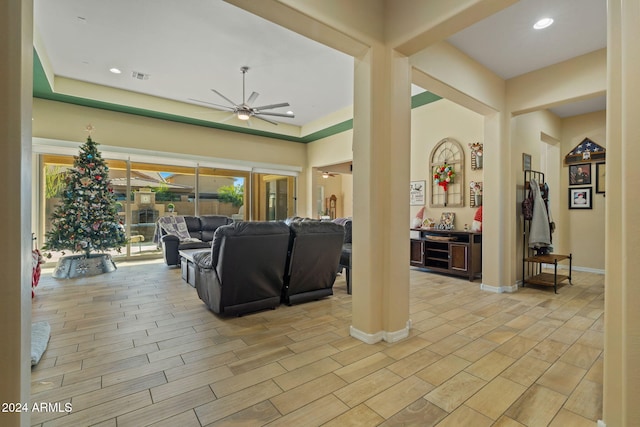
(87, 219)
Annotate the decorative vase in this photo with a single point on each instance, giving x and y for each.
(73, 266)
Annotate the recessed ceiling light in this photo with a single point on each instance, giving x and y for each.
(115, 70)
(543, 23)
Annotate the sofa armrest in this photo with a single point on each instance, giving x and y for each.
(170, 245)
(203, 259)
(170, 238)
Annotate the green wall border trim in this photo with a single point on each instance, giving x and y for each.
(42, 90)
(423, 98)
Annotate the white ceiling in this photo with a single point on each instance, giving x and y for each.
(188, 48)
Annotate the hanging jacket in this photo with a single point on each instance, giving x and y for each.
(539, 232)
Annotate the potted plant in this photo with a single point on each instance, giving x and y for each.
(171, 207)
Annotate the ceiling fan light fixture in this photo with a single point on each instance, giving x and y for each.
(244, 110)
(543, 23)
(325, 175)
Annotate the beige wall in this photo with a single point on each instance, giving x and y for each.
(543, 135)
(548, 138)
(527, 132)
(585, 228)
(332, 150)
(347, 195)
(333, 186)
(579, 78)
(67, 122)
(429, 125)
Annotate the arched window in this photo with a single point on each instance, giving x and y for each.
(447, 174)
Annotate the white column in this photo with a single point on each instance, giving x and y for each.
(499, 221)
(381, 151)
(16, 69)
(622, 220)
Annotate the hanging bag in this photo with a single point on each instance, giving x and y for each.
(527, 206)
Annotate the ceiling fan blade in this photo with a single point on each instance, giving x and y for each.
(226, 119)
(266, 120)
(224, 97)
(291, 116)
(268, 107)
(252, 98)
(211, 103)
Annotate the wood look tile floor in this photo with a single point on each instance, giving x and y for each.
(136, 347)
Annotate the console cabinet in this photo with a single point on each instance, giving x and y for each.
(452, 252)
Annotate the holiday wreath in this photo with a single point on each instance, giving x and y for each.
(443, 175)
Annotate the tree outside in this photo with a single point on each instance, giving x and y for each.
(233, 194)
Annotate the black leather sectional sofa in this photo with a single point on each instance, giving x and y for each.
(254, 266)
(201, 230)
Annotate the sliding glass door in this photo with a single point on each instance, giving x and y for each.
(273, 197)
(222, 192)
(154, 191)
(145, 192)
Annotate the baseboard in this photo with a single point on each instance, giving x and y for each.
(574, 268)
(380, 336)
(499, 289)
(587, 269)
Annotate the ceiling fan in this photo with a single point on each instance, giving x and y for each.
(328, 174)
(245, 111)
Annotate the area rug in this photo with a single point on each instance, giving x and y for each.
(40, 333)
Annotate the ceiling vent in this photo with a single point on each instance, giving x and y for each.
(140, 76)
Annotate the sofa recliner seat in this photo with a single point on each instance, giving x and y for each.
(201, 230)
(245, 268)
(314, 254)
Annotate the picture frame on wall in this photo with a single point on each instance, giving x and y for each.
(580, 174)
(580, 198)
(601, 171)
(526, 162)
(416, 193)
